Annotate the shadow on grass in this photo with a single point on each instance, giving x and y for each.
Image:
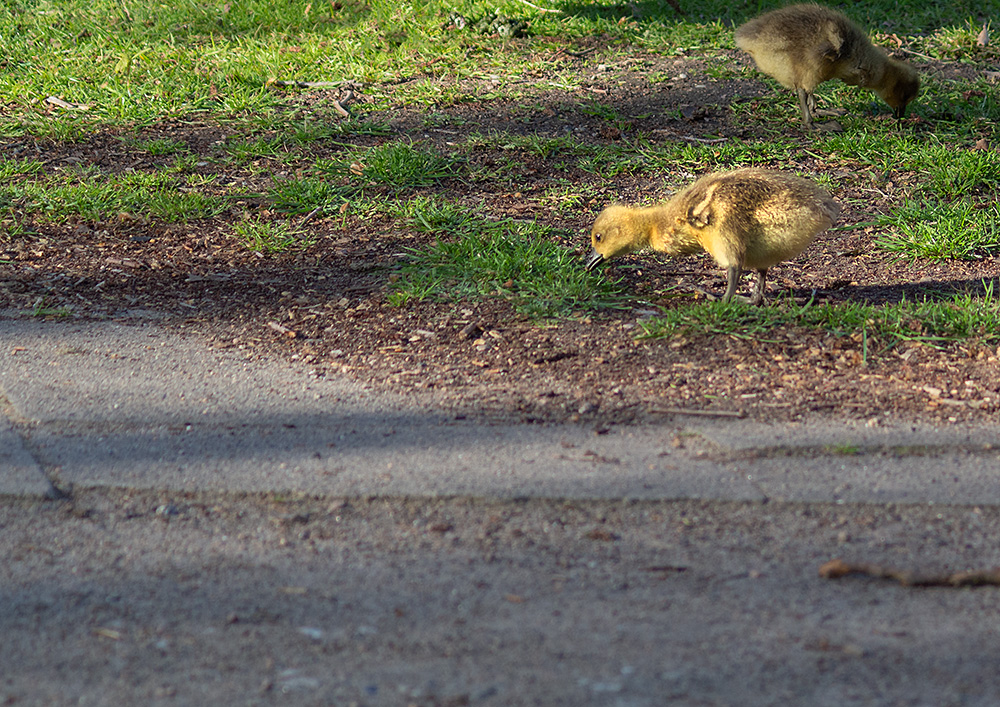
(976, 288)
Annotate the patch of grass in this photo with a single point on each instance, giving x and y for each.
(954, 173)
(513, 260)
(9, 169)
(161, 146)
(252, 149)
(698, 158)
(134, 64)
(541, 146)
(432, 216)
(933, 321)
(443, 120)
(843, 450)
(41, 308)
(397, 165)
(937, 230)
(93, 196)
(306, 194)
(294, 134)
(315, 130)
(947, 171)
(570, 198)
(270, 236)
(603, 111)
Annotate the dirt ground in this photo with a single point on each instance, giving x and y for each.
(326, 306)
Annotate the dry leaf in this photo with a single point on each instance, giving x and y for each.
(984, 36)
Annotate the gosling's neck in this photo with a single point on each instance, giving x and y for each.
(667, 229)
(644, 227)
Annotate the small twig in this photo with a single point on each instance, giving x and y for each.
(700, 413)
(540, 9)
(913, 53)
(340, 103)
(835, 569)
(310, 84)
(309, 216)
(340, 109)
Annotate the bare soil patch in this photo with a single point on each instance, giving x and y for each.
(326, 306)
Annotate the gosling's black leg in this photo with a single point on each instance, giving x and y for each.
(733, 280)
(758, 291)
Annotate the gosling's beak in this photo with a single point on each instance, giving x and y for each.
(899, 112)
(593, 260)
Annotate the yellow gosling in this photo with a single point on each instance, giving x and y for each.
(802, 46)
(747, 218)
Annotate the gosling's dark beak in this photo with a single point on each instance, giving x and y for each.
(593, 260)
(899, 112)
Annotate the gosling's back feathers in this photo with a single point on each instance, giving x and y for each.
(754, 218)
(802, 46)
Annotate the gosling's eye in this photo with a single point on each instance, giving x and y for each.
(597, 237)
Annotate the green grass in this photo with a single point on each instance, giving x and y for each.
(41, 308)
(305, 194)
(397, 165)
(93, 196)
(516, 261)
(936, 230)
(270, 236)
(393, 169)
(933, 321)
(161, 146)
(133, 64)
(132, 67)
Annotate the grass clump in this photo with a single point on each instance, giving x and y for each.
(516, 261)
(90, 195)
(270, 236)
(396, 165)
(937, 230)
(932, 321)
(304, 195)
(159, 147)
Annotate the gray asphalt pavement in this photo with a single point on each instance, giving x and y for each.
(431, 559)
(95, 405)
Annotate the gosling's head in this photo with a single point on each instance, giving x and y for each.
(902, 86)
(614, 233)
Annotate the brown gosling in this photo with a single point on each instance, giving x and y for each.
(801, 46)
(747, 218)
